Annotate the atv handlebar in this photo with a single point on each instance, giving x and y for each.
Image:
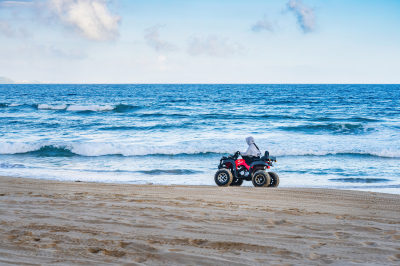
(234, 156)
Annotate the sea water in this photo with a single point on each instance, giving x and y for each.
(329, 136)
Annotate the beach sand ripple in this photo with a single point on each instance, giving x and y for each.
(49, 222)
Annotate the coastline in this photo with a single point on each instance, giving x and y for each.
(48, 222)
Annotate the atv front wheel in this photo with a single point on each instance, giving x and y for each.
(261, 178)
(223, 177)
(237, 182)
(274, 179)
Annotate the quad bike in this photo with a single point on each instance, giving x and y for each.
(233, 171)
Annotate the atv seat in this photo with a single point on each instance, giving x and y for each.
(266, 157)
(250, 159)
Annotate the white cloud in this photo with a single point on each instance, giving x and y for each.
(262, 24)
(63, 53)
(305, 15)
(91, 18)
(6, 29)
(152, 37)
(10, 31)
(16, 3)
(213, 45)
(8, 24)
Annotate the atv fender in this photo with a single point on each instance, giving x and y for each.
(232, 162)
(258, 163)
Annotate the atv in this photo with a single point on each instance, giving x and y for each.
(232, 171)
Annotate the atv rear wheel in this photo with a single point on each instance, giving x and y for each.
(261, 178)
(223, 177)
(237, 182)
(274, 179)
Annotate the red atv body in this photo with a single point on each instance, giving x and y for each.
(232, 171)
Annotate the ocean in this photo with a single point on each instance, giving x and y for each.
(324, 136)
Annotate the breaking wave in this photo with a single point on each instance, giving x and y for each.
(90, 108)
(350, 119)
(154, 127)
(336, 128)
(94, 149)
(52, 107)
(119, 108)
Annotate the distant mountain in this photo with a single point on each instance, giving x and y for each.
(4, 80)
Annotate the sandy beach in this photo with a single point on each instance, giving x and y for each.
(50, 222)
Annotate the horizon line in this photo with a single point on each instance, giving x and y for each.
(196, 83)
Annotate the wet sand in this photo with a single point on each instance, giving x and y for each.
(50, 222)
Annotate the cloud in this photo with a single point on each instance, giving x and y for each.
(46, 51)
(71, 54)
(213, 46)
(16, 3)
(262, 24)
(91, 18)
(305, 15)
(8, 30)
(9, 26)
(152, 37)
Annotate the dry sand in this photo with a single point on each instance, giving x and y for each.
(49, 222)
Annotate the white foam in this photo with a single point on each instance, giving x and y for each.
(18, 147)
(99, 149)
(131, 149)
(52, 107)
(94, 108)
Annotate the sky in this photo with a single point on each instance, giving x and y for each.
(200, 41)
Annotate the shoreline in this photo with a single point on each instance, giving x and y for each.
(48, 222)
(394, 191)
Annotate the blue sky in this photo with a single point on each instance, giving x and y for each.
(193, 41)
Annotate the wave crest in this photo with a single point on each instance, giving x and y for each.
(119, 108)
(337, 128)
(90, 108)
(93, 149)
(52, 107)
